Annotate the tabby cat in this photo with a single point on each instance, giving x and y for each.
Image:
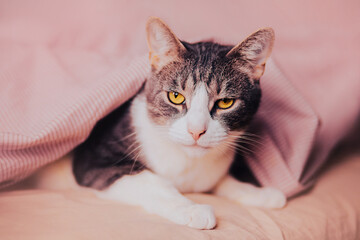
(179, 133)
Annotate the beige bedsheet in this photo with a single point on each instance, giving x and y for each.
(331, 210)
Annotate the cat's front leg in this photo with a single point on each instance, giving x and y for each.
(248, 194)
(157, 195)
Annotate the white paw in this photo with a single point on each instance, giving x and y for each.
(267, 197)
(199, 216)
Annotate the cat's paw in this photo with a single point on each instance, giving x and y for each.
(266, 197)
(199, 216)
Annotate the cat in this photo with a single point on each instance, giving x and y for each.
(179, 133)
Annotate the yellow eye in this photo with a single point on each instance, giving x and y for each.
(225, 103)
(176, 98)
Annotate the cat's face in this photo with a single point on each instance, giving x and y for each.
(203, 95)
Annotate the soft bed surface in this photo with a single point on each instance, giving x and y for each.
(331, 210)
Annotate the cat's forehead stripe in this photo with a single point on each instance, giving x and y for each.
(189, 83)
(205, 63)
(184, 81)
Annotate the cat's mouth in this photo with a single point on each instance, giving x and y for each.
(197, 146)
(196, 150)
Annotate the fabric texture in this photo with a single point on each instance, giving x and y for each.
(331, 211)
(64, 65)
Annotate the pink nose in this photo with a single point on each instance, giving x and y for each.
(196, 134)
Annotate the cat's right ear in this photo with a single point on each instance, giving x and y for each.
(164, 46)
(253, 52)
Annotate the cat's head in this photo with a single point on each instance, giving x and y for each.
(203, 95)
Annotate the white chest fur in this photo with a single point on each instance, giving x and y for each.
(168, 160)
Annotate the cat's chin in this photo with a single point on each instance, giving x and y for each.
(195, 151)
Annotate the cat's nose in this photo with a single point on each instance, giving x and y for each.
(196, 134)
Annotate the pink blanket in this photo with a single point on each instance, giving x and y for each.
(64, 65)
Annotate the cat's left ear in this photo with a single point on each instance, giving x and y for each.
(164, 46)
(253, 52)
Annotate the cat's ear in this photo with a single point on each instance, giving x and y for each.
(253, 52)
(164, 46)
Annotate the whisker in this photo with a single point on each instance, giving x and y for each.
(253, 145)
(248, 134)
(237, 146)
(128, 136)
(236, 149)
(252, 142)
(135, 149)
(133, 144)
(128, 154)
(250, 139)
(136, 158)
